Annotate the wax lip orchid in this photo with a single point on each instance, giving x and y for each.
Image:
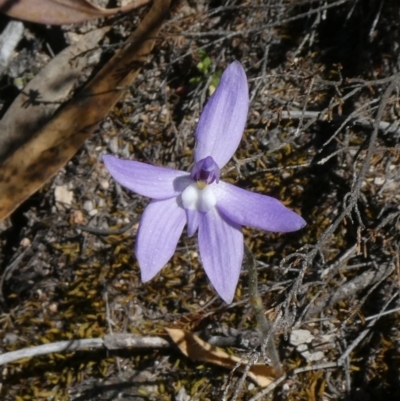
(199, 198)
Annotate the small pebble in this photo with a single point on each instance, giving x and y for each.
(113, 145)
(104, 184)
(298, 337)
(88, 206)
(63, 196)
(77, 217)
(10, 339)
(25, 242)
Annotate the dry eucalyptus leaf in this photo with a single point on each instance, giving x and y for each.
(40, 99)
(50, 148)
(60, 12)
(198, 350)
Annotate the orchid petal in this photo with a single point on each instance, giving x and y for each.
(193, 220)
(160, 227)
(251, 209)
(221, 252)
(223, 119)
(145, 179)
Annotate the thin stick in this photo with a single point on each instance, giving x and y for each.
(364, 333)
(264, 325)
(277, 382)
(111, 342)
(45, 349)
(392, 128)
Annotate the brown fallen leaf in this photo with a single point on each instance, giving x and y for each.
(50, 148)
(44, 94)
(198, 350)
(60, 12)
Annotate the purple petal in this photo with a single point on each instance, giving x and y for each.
(145, 179)
(251, 209)
(223, 119)
(206, 170)
(193, 220)
(160, 227)
(221, 252)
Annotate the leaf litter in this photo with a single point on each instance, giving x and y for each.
(49, 147)
(62, 12)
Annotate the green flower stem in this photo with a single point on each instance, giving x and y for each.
(265, 327)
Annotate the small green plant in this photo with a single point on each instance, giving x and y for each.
(204, 67)
(205, 62)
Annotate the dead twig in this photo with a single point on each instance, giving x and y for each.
(119, 231)
(265, 327)
(110, 341)
(276, 383)
(392, 128)
(364, 333)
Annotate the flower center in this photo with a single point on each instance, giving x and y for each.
(196, 198)
(205, 172)
(200, 195)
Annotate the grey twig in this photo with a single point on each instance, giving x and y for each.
(347, 290)
(110, 341)
(45, 349)
(119, 231)
(393, 128)
(264, 325)
(364, 333)
(277, 382)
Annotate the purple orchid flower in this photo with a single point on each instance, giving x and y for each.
(215, 208)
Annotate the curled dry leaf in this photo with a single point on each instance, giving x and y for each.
(40, 99)
(59, 12)
(51, 146)
(198, 350)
